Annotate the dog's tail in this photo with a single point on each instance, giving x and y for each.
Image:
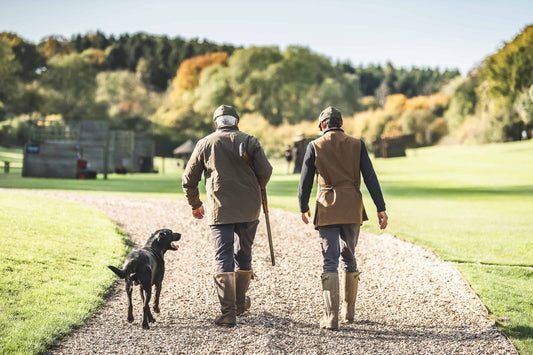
(120, 273)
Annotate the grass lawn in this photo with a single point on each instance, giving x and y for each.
(53, 272)
(148, 184)
(507, 294)
(470, 204)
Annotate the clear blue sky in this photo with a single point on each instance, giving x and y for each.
(444, 34)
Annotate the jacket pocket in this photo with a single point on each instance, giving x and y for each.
(327, 196)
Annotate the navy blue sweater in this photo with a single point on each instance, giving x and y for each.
(309, 170)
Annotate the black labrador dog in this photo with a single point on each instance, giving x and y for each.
(146, 267)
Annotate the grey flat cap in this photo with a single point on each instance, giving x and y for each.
(224, 110)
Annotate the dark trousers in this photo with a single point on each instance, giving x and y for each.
(233, 246)
(336, 241)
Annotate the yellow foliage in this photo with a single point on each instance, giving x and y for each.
(188, 74)
(95, 56)
(424, 102)
(392, 129)
(12, 39)
(275, 139)
(52, 46)
(255, 124)
(48, 120)
(394, 103)
(369, 103)
(357, 124)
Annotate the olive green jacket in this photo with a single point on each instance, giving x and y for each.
(232, 187)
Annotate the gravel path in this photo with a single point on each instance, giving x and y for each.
(410, 302)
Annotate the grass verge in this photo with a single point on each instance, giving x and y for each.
(507, 292)
(53, 273)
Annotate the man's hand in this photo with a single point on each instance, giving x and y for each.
(199, 212)
(304, 217)
(382, 218)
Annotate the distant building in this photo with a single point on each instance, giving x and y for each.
(392, 147)
(184, 151)
(300, 143)
(60, 151)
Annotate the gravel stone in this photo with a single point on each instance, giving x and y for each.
(409, 301)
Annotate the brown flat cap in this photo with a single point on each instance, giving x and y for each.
(329, 112)
(224, 110)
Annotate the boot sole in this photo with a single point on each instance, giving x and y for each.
(329, 326)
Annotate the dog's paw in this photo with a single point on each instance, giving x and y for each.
(130, 319)
(145, 325)
(151, 319)
(156, 309)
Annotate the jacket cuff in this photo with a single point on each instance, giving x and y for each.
(307, 209)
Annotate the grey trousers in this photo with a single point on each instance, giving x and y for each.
(233, 246)
(336, 241)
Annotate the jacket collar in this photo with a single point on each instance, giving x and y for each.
(333, 129)
(228, 128)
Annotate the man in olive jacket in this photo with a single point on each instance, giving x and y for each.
(233, 204)
(339, 160)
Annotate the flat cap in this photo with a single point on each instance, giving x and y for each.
(225, 110)
(329, 112)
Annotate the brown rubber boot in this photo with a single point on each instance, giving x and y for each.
(351, 280)
(225, 285)
(242, 282)
(330, 292)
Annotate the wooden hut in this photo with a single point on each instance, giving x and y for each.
(184, 151)
(391, 147)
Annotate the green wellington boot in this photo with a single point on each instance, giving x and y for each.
(225, 285)
(242, 282)
(330, 292)
(351, 280)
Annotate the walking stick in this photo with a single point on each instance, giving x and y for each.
(244, 155)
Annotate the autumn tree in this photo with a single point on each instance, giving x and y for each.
(509, 71)
(95, 56)
(188, 74)
(493, 98)
(54, 45)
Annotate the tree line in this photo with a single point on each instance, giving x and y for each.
(173, 84)
(494, 103)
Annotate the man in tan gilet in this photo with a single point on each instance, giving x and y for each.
(339, 160)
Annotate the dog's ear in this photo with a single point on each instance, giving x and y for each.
(162, 233)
